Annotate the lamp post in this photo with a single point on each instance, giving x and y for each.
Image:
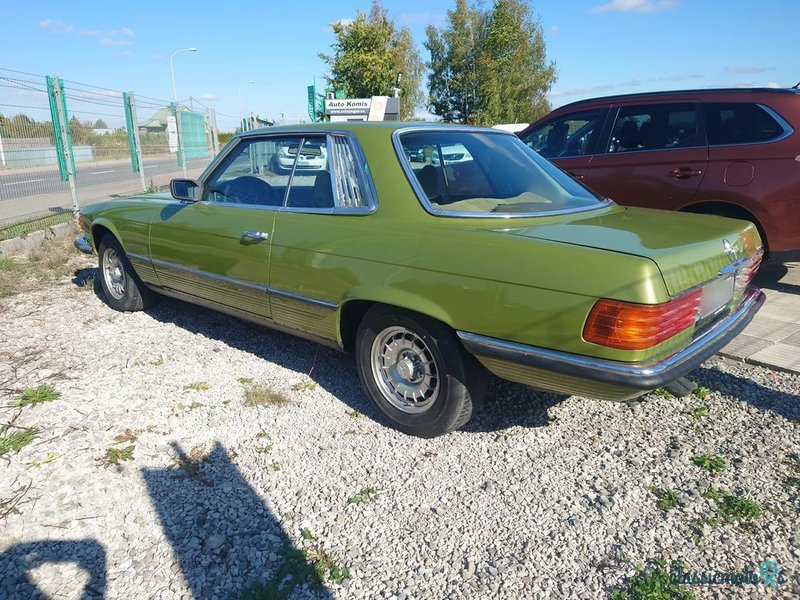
(241, 112)
(181, 153)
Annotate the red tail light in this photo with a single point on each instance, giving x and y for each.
(629, 326)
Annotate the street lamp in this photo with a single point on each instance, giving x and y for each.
(177, 108)
(241, 112)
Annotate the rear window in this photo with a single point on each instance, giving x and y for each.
(472, 173)
(739, 123)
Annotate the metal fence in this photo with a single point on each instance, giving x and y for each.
(64, 143)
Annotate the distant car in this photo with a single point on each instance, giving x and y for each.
(730, 152)
(451, 154)
(508, 265)
(313, 157)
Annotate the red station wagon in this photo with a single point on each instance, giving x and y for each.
(730, 152)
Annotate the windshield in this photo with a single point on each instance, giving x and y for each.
(488, 173)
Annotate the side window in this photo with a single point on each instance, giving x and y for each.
(347, 175)
(656, 127)
(311, 182)
(257, 172)
(568, 136)
(739, 123)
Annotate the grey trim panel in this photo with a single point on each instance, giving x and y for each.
(632, 375)
(236, 282)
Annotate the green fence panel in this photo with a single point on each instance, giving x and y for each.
(195, 140)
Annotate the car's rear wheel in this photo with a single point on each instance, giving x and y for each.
(416, 372)
(123, 289)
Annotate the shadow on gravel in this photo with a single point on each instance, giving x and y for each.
(87, 278)
(759, 396)
(512, 405)
(227, 541)
(770, 276)
(17, 562)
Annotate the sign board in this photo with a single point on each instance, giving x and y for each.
(312, 104)
(377, 108)
(347, 106)
(172, 133)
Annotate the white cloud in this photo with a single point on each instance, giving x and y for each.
(56, 26)
(746, 70)
(772, 84)
(209, 96)
(89, 32)
(553, 30)
(114, 43)
(124, 32)
(640, 6)
(128, 54)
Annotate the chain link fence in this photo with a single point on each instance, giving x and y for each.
(57, 136)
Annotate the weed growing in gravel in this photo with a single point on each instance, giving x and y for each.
(35, 464)
(39, 395)
(667, 498)
(353, 414)
(15, 439)
(264, 449)
(505, 434)
(114, 456)
(701, 392)
(197, 386)
(262, 435)
(191, 464)
(712, 464)
(733, 508)
(261, 395)
(304, 386)
(275, 466)
(663, 393)
(699, 412)
(195, 404)
(792, 482)
(367, 494)
(127, 436)
(47, 262)
(160, 360)
(651, 584)
(307, 534)
(245, 380)
(8, 506)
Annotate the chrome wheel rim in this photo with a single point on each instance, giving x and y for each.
(113, 273)
(405, 370)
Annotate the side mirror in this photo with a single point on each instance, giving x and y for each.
(185, 190)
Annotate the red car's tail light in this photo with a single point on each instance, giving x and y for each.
(629, 326)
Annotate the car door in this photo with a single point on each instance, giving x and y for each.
(217, 249)
(314, 234)
(655, 156)
(569, 141)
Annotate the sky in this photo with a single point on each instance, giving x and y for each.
(600, 47)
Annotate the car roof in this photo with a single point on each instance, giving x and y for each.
(693, 92)
(356, 126)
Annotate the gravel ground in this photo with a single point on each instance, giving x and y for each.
(539, 496)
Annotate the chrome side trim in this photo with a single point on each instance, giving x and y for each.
(642, 376)
(429, 208)
(82, 244)
(237, 282)
(306, 299)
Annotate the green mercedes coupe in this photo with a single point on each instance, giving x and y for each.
(435, 253)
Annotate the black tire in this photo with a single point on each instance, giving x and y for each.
(420, 354)
(123, 289)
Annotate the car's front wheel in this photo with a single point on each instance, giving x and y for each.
(416, 372)
(123, 289)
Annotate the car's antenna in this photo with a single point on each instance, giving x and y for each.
(796, 85)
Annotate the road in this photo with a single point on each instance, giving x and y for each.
(39, 190)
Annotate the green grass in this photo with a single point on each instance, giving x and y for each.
(245, 380)
(197, 386)
(21, 229)
(712, 464)
(261, 395)
(367, 494)
(354, 414)
(39, 395)
(733, 508)
(275, 466)
(702, 392)
(264, 449)
(651, 584)
(699, 412)
(667, 498)
(115, 456)
(663, 393)
(304, 386)
(192, 464)
(35, 464)
(14, 439)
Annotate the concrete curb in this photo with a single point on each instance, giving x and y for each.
(23, 245)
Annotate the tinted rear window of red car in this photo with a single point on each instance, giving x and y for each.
(739, 123)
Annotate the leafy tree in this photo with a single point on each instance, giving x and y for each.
(100, 124)
(453, 80)
(489, 67)
(369, 53)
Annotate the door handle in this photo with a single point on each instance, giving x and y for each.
(255, 235)
(684, 173)
(577, 176)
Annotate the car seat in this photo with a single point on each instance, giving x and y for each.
(323, 190)
(432, 181)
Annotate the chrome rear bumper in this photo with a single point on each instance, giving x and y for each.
(633, 375)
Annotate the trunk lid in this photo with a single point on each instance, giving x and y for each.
(689, 249)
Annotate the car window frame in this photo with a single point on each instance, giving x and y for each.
(362, 170)
(596, 137)
(614, 111)
(426, 204)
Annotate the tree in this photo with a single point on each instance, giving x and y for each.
(100, 124)
(489, 67)
(368, 55)
(453, 80)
